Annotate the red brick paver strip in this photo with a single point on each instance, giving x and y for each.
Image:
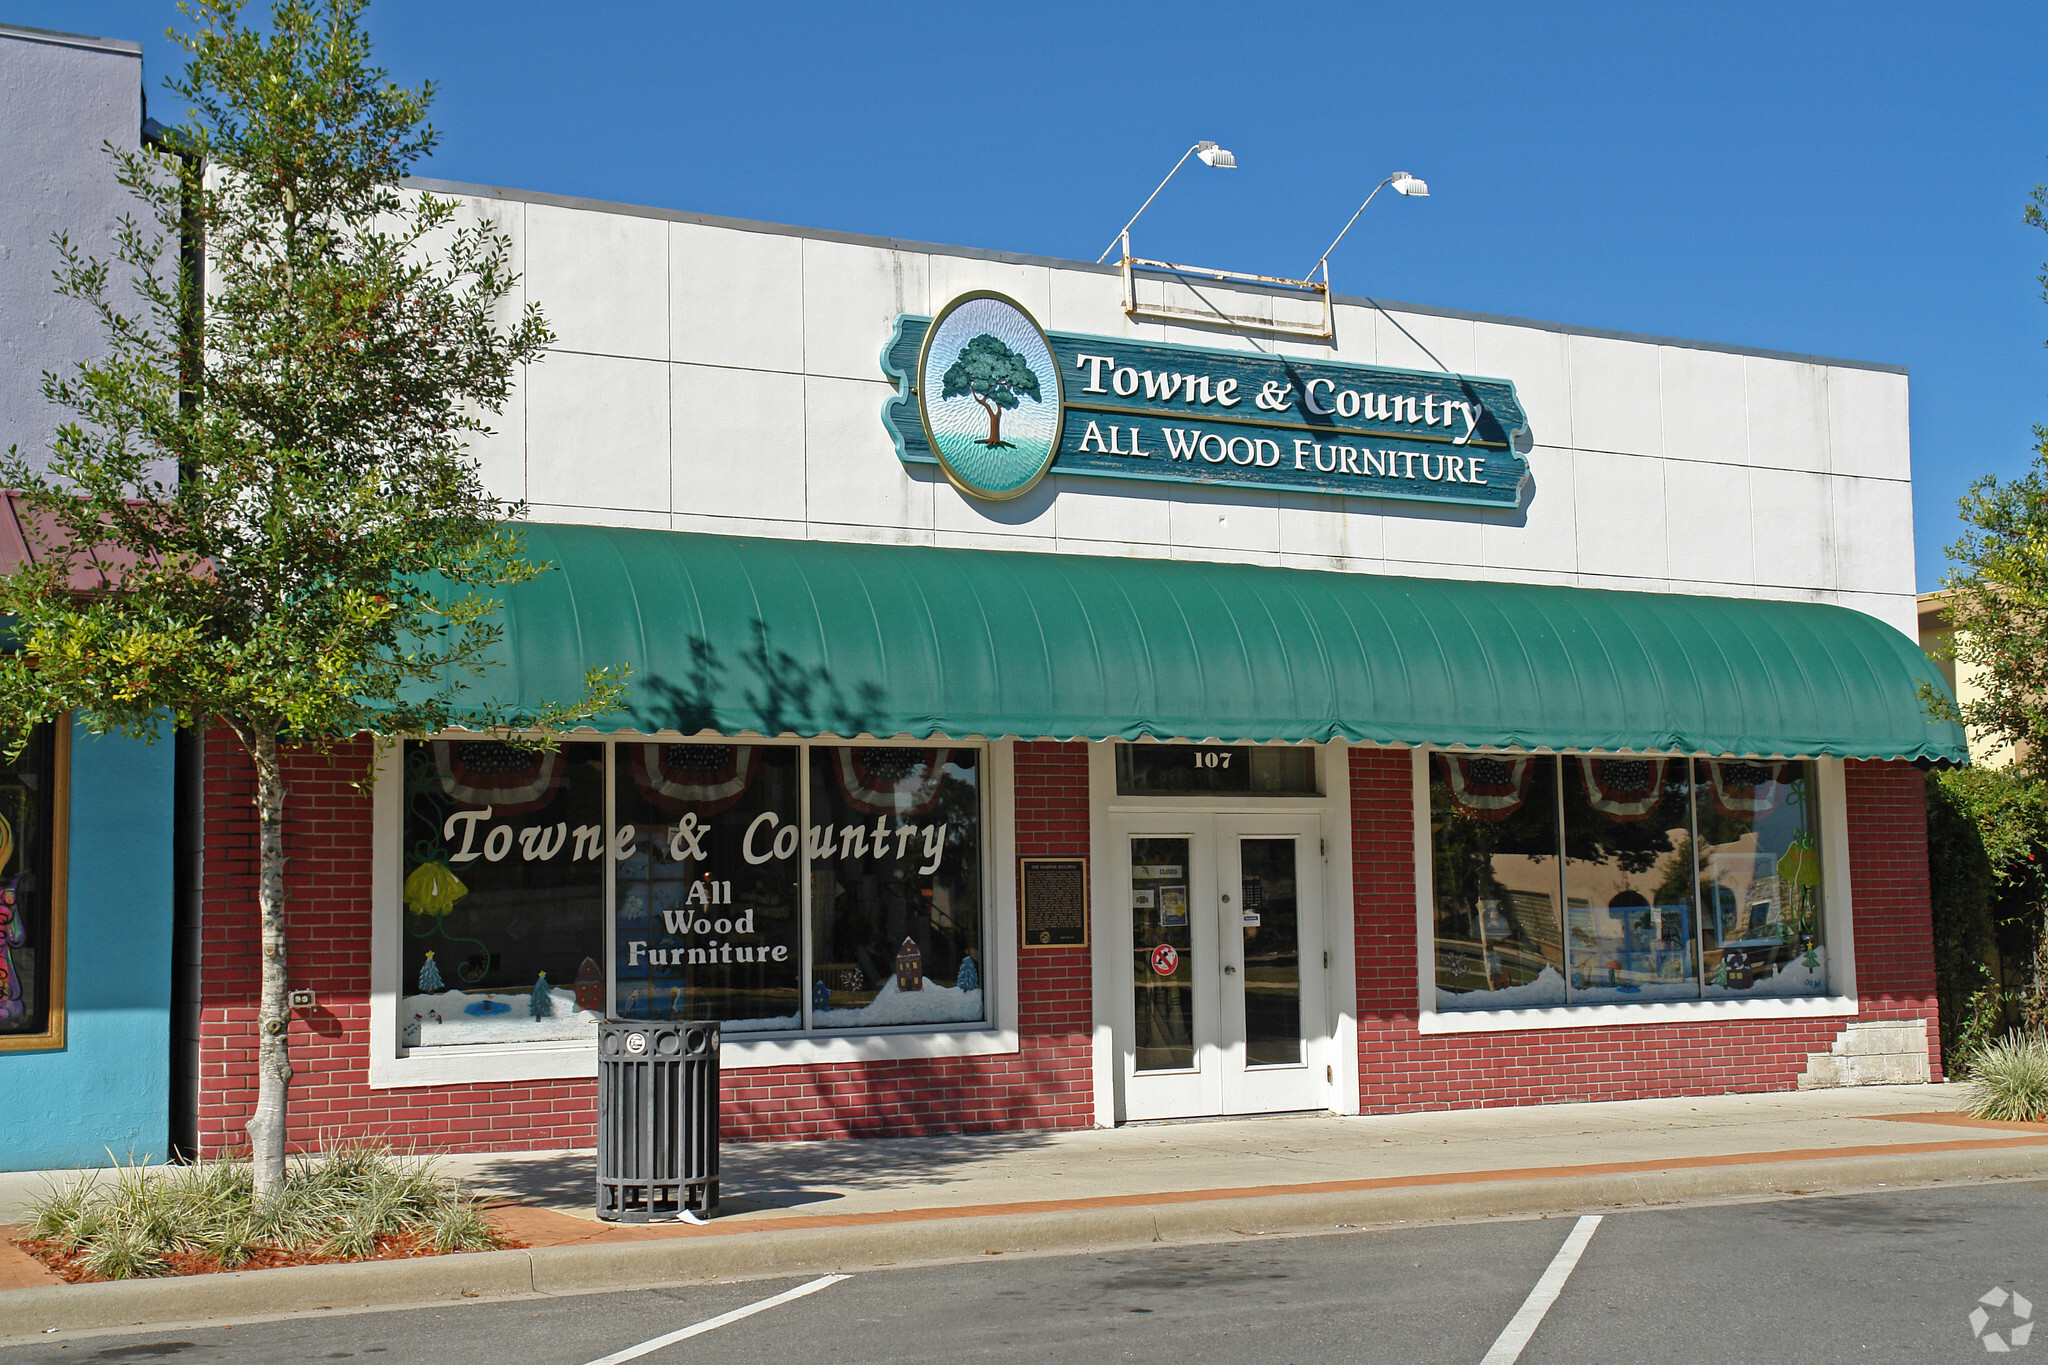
(18, 1269)
(545, 1227)
(1962, 1121)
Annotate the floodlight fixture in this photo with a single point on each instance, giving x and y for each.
(1211, 155)
(1403, 183)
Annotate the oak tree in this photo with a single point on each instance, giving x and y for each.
(993, 375)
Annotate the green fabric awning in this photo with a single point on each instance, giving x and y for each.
(742, 635)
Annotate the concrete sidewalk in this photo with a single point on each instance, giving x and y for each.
(795, 1206)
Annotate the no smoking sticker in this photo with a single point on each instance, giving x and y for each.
(1165, 960)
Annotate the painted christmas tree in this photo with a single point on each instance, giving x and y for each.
(542, 1002)
(970, 975)
(430, 976)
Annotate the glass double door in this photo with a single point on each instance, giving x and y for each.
(1223, 1006)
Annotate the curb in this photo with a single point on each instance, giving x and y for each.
(27, 1314)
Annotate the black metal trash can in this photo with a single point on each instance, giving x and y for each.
(657, 1120)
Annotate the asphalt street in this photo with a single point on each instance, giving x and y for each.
(1888, 1276)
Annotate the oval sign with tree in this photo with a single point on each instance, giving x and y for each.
(990, 396)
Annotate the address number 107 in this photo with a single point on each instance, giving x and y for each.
(1212, 758)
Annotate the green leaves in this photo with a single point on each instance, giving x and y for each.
(1997, 595)
(273, 505)
(986, 369)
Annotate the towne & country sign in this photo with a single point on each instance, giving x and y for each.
(996, 403)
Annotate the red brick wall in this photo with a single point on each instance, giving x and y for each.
(1046, 1084)
(1401, 1069)
(1894, 916)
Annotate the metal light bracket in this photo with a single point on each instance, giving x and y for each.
(1130, 265)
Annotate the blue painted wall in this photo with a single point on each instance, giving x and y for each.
(109, 1087)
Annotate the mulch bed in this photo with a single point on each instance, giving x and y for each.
(70, 1263)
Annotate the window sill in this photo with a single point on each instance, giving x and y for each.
(578, 1061)
(1615, 1016)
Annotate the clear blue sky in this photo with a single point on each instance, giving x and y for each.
(1840, 179)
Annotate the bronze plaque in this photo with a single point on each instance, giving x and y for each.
(1052, 894)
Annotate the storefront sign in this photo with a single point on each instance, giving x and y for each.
(1052, 894)
(996, 403)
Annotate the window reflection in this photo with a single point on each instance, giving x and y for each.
(1678, 878)
(1493, 833)
(1628, 879)
(1760, 877)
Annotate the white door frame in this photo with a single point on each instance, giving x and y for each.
(1332, 1049)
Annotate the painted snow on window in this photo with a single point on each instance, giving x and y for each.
(931, 1004)
(780, 1023)
(1546, 989)
(1632, 993)
(444, 1019)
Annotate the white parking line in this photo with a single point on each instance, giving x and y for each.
(1507, 1348)
(713, 1324)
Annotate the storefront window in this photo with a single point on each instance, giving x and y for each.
(1628, 889)
(1493, 829)
(1680, 879)
(895, 850)
(504, 862)
(29, 920)
(1760, 876)
(512, 863)
(709, 888)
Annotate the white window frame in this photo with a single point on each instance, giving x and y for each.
(392, 1065)
(1837, 899)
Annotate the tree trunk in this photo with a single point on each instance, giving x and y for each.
(273, 1012)
(995, 427)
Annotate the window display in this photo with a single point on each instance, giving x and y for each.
(503, 863)
(705, 862)
(29, 918)
(1679, 879)
(1628, 889)
(708, 890)
(1493, 831)
(895, 859)
(1760, 874)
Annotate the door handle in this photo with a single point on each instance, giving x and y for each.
(1230, 971)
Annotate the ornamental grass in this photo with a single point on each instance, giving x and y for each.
(2009, 1079)
(358, 1202)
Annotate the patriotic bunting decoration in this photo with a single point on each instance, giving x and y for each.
(890, 781)
(1624, 788)
(489, 772)
(703, 778)
(1484, 786)
(1744, 787)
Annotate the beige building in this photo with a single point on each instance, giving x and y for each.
(1965, 680)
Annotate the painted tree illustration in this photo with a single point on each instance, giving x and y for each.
(992, 375)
